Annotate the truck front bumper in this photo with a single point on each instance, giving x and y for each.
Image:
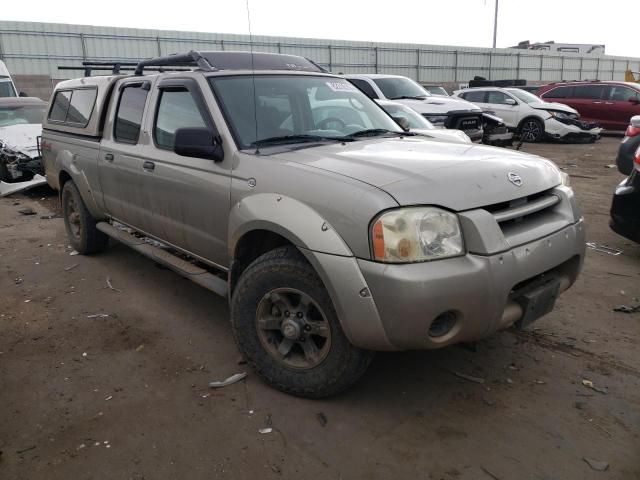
(476, 295)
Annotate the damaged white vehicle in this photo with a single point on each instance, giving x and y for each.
(20, 158)
(531, 117)
(411, 120)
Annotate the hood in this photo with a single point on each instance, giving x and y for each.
(553, 106)
(443, 135)
(437, 105)
(421, 172)
(22, 138)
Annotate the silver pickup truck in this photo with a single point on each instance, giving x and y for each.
(331, 230)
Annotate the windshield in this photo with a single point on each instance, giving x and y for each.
(395, 88)
(6, 88)
(415, 119)
(296, 108)
(436, 90)
(19, 115)
(523, 95)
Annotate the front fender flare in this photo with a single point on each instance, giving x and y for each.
(288, 217)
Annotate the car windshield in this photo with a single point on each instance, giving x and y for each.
(414, 119)
(6, 88)
(524, 96)
(20, 115)
(395, 88)
(436, 90)
(289, 109)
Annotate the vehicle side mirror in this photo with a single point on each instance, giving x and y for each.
(634, 101)
(23, 94)
(510, 101)
(403, 122)
(199, 143)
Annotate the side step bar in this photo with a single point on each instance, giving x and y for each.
(188, 270)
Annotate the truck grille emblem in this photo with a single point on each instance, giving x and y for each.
(515, 179)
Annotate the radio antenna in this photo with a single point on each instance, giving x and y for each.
(253, 77)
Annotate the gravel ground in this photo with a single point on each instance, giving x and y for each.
(125, 395)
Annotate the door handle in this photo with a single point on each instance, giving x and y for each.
(608, 103)
(148, 166)
(108, 157)
(598, 103)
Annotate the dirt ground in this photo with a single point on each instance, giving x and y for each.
(125, 395)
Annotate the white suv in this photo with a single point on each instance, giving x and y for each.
(529, 115)
(442, 112)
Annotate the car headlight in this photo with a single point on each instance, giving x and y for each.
(437, 120)
(566, 116)
(416, 234)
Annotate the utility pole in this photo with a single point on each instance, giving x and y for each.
(495, 26)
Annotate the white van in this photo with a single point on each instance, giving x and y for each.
(7, 87)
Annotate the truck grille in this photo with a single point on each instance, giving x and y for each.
(519, 209)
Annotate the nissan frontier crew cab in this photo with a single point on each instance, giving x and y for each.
(332, 231)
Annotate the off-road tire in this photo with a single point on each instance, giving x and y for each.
(531, 130)
(286, 267)
(84, 237)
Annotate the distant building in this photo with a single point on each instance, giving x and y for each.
(584, 48)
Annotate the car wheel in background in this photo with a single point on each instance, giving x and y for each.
(531, 130)
(83, 235)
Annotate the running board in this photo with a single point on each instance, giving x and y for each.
(188, 270)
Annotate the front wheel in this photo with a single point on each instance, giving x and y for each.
(531, 130)
(284, 323)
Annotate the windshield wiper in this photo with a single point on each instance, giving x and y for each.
(409, 97)
(301, 138)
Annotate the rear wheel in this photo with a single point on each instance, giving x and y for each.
(285, 324)
(83, 235)
(531, 130)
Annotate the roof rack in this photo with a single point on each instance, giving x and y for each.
(206, 61)
(191, 59)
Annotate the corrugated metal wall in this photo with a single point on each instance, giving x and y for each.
(39, 48)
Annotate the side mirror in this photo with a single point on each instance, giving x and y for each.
(403, 122)
(23, 94)
(634, 101)
(199, 143)
(510, 101)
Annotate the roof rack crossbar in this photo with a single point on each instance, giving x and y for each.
(193, 58)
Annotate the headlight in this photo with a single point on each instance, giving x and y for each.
(566, 180)
(437, 120)
(416, 234)
(568, 116)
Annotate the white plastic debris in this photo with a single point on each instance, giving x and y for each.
(266, 430)
(7, 189)
(232, 379)
(73, 252)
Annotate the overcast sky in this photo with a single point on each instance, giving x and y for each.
(440, 22)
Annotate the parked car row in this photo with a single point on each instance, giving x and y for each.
(532, 118)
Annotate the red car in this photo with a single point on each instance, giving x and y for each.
(609, 103)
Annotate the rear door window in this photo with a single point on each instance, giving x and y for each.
(559, 92)
(129, 114)
(178, 109)
(589, 92)
(474, 97)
